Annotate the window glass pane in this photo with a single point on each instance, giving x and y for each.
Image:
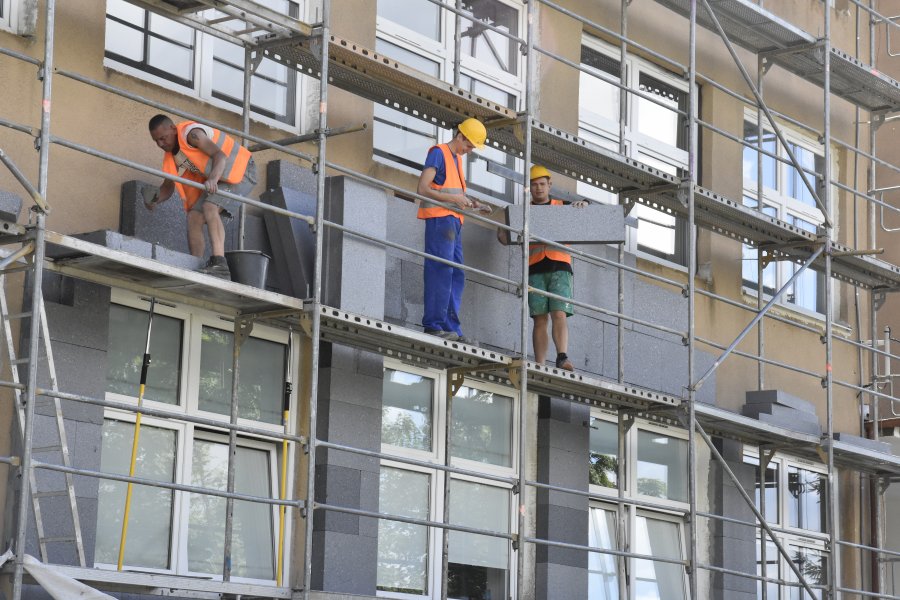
(795, 186)
(261, 384)
(123, 10)
(485, 45)
(750, 257)
(659, 122)
(482, 427)
(604, 453)
(598, 100)
(478, 563)
(424, 18)
(769, 164)
(603, 570)
(656, 230)
(271, 86)
(124, 41)
(252, 542)
(771, 487)
(175, 60)
(806, 499)
(773, 570)
(151, 508)
(403, 548)
(657, 580)
(813, 565)
(171, 30)
(396, 135)
(662, 466)
(127, 341)
(808, 290)
(406, 411)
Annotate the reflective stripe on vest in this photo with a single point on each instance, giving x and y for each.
(538, 252)
(454, 183)
(236, 159)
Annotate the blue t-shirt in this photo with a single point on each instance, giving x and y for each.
(435, 159)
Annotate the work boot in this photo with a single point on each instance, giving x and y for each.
(217, 266)
(450, 336)
(563, 362)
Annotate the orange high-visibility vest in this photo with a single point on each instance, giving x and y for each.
(236, 159)
(454, 183)
(538, 252)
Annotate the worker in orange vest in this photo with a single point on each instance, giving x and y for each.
(443, 180)
(549, 270)
(206, 155)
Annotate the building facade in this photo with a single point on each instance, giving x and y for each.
(307, 439)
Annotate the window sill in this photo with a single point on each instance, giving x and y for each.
(176, 88)
(798, 315)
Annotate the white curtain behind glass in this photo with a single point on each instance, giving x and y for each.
(658, 580)
(252, 545)
(150, 518)
(603, 582)
(492, 514)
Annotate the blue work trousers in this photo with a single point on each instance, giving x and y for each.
(443, 283)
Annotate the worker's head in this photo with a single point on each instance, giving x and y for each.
(470, 135)
(164, 133)
(540, 184)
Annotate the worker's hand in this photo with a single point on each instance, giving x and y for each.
(580, 203)
(152, 202)
(212, 185)
(461, 201)
(503, 236)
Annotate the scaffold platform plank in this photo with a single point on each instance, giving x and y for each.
(386, 81)
(725, 423)
(250, 21)
(163, 584)
(115, 268)
(416, 347)
(761, 31)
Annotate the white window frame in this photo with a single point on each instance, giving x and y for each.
(9, 15)
(193, 321)
(605, 132)
(603, 497)
(786, 535)
(442, 53)
(438, 455)
(786, 207)
(202, 85)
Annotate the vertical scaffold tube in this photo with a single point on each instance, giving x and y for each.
(692, 273)
(521, 513)
(317, 297)
(286, 422)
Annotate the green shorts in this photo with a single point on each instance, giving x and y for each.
(560, 283)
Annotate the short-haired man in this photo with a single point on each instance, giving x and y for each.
(208, 156)
(550, 270)
(442, 180)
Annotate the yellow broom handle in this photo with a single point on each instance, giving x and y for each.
(145, 366)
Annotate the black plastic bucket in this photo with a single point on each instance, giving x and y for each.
(248, 267)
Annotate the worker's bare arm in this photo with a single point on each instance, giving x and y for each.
(197, 138)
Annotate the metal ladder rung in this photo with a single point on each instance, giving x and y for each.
(56, 494)
(43, 449)
(22, 361)
(56, 540)
(21, 315)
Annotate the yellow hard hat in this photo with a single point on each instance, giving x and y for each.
(538, 171)
(474, 131)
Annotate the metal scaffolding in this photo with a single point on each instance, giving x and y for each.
(313, 50)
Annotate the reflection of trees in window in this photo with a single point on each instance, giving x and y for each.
(650, 486)
(604, 470)
(403, 547)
